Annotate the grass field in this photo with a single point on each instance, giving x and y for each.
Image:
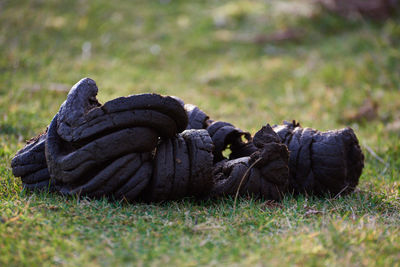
(203, 52)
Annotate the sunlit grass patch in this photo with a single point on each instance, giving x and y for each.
(212, 54)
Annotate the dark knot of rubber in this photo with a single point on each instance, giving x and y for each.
(151, 148)
(125, 148)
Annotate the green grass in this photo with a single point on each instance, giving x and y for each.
(192, 49)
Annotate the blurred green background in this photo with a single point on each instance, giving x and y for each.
(245, 62)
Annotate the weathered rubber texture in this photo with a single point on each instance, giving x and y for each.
(125, 177)
(82, 118)
(285, 130)
(163, 173)
(197, 118)
(118, 168)
(322, 162)
(30, 164)
(163, 104)
(224, 134)
(69, 165)
(31, 154)
(267, 171)
(200, 148)
(137, 183)
(129, 148)
(105, 123)
(227, 176)
(241, 149)
(182, 169)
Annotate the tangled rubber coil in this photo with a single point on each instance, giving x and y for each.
(152, 148)
(322, 162)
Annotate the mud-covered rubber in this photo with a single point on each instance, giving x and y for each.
(30, 164)
(125, 178)
(264, 174)
(163, 173)
(133, 148)
(224, 134)
(68, 165)
(132, 190)
(200, 148)
(322, 163)
(82, 118)
(197, 119)
(182, 166)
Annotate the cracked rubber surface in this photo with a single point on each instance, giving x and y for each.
(224, 134)
(82, 117)
(182, 164)
(163, 172)
(30, 164)
(320, 163)
(267, 170)
(154, 148)
(197, 119)
(100, 150)
(182, 167)
(68, 165)
(125, 176)
(200, 148)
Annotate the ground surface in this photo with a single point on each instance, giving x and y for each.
(206, 53)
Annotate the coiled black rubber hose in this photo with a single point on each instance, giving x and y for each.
(137, 148)
(322, 162)
(30, 164)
